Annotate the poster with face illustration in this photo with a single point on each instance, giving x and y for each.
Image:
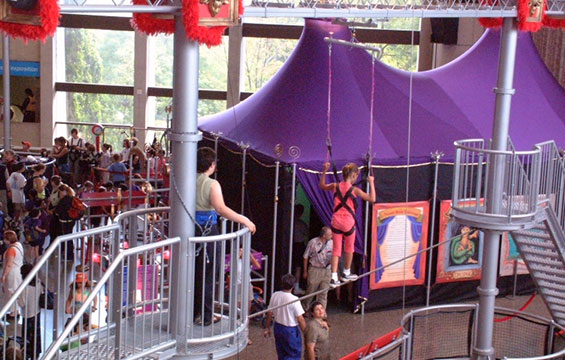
(460, 255)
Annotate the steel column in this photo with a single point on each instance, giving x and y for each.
(275, 216)
(436, 155)
(184, 140)
(483, 349)
(291, 230)
(6, 83)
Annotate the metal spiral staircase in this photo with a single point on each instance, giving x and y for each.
(129, 310)
(532, 208)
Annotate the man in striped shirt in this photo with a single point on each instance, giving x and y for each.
(318, 254)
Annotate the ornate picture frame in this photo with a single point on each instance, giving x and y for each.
(13, 15)
(218, 12)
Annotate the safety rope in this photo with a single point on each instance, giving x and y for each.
(512, 316)
(328, 136)
(368, 273)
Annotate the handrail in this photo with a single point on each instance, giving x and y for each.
(45, 257)
(136, 212)
(458, 144)
(407, 317)
(220, 237)
(53, 348)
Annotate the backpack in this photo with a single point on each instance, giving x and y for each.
(29, 185)
(77, 209)
(30, 233)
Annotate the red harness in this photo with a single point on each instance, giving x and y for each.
(343, 204)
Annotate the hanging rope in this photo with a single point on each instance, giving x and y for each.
(328, 136)
(408, 152)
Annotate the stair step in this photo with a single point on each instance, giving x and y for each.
(554, 293)
(527, 249)
(550, 278)
(546, 269)
(550, 285)
(537, 243)
(534, 259)
(558, 315)
(532, 234)
(554, 300)
(557, 308)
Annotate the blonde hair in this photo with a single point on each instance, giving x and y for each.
(349, 169)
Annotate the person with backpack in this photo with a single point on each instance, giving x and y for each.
(34, 233)
(64, 222)
(37, 182)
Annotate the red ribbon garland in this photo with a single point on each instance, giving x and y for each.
(523, 14)
(49, 13)
(150, 25)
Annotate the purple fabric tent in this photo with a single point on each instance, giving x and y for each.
(449, 103)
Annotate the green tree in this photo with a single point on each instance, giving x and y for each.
(82, 64)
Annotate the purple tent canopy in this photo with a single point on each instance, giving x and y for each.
(449, 103)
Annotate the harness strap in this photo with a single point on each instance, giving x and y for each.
(346, 233)
(343, 200)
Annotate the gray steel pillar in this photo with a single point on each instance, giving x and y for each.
(487, 290)
(6, 83)
(184, 138)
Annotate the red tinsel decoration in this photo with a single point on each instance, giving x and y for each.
(49, 12)
(553, 23)
(523, 13)
(211, 36)
(493, 23)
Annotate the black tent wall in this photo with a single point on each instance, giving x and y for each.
(391, 187)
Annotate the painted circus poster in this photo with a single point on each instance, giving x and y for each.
(460, 257)
(399, 230)
(510, 259)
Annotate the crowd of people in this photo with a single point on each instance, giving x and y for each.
(39, 203)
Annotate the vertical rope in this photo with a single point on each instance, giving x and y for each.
(371, 115)
(328, 137)
(408, 152)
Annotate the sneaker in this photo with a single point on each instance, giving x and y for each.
(350, 277)
(299, 291)
(334, 283)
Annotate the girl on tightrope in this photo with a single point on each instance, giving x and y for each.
(343, 219)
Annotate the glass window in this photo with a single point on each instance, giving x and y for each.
(263, 58)
(205, 107)
(213, 64)
(403, 57)
(99, 56)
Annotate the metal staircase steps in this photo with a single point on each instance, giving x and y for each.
(541, 249)
(546, 269)
(542, 260)
(540, 252)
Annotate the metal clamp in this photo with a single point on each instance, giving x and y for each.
(504, 91)
(184, 137)
(487, 292)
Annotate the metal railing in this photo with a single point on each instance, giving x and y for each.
(513, 326)
(220, 280)
(123, 313)
(552, 181)
(519, 184)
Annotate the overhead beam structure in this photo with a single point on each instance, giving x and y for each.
(349, 9)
